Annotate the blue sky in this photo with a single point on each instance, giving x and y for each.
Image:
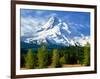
(32, 19)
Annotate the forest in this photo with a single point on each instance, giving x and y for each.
(69, 56)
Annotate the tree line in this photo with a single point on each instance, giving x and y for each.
(45, 58)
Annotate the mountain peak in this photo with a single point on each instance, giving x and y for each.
(55, 31)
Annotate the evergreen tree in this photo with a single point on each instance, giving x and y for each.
(56, 59)
(81, 55)
(63, 60)
(30, 60)
(22, 60)
(42, 56)
(86, 60)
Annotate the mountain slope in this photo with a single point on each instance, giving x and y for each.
(57, 32)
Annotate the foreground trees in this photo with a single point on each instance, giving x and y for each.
(56, 59)
(45, 58)
(42, 56)
(30, 60)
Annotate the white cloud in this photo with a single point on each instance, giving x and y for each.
(53, 14)
(39, 12)
(30, 25)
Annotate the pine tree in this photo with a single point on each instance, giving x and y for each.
(42, 56)
(86, 60)
(63, 60)
(22, 60)
(30, 60)
(56, 59)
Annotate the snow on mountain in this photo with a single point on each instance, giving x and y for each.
(82, 40)
(52, 32)
(66, 27)
(49, 24)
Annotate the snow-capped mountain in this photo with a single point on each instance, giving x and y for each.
(57, 32)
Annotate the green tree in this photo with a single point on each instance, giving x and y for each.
(42, 56)
(56, 59)
(63, 60)
(81, 55)
(86, 60)
(22, 60)
(30, 60)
